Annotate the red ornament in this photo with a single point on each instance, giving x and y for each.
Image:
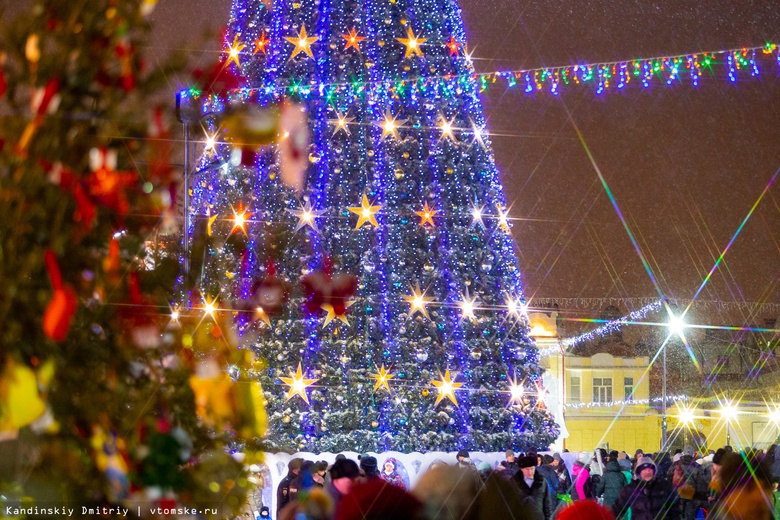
(106, 185)
(323, 288)
(3, 82)
(271, 293)
(62, 305)
(44, 100)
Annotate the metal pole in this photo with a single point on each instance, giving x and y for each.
(663, 404)
(186, 201)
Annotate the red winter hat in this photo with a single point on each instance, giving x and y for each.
(585, 510)
(377, 500)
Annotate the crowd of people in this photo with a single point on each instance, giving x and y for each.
(684, 485)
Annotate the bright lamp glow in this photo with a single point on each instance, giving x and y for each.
(676, 326)
(729, 412)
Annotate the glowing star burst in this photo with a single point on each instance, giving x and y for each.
(306, 216)
(240, 219)
(476, 216)
(413, 44)
(467, 306)
(209, 306)
(479, 134)
(446, 129)
(426, 216)
(453, 46)
(353, 40)
(390, 125)
(340, 123)
(503, 218)
(302, 43)
(332, 313)
(234, 53)
(446, 388)
(366, 212)
(382, 379)
(418, 301)
(516, 307)
(261, 43)
(298, 384)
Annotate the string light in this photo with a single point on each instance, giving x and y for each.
(608, 404)
(603, 77)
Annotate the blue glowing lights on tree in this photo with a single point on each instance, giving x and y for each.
(431, 352)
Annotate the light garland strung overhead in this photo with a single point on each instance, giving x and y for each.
(594, 404)
(603, 77)
(605, 329)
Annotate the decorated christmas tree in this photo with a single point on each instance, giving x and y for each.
(346, 210)
(98, 390)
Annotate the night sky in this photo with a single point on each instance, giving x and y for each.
(685, 164)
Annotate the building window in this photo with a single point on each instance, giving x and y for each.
(574, 389)
(628, 388)
(602, 389)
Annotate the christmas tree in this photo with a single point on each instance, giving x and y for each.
(384, 295)
(97, 390)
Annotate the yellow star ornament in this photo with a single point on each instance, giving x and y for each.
(366, 212)
(332, 313)
(234, 53)
(446, 388)
(353, 39)
(382, 379)
(412, 43)
(302, 43)
(426, 216)
(418, 301)
(298, 384)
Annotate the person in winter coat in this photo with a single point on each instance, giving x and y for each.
(548, 472)
(625, 463)
(389, 473)
(534, 486)
(564, 479)
(611, 483)
(682, 475)
(705, 481)
(286, 493)
(745, 481)
(580, 474)
(647, 497)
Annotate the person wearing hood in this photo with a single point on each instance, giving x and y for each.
(390, 473)
(647, 497)
(611, 483)
(534, 486)
(580, 474)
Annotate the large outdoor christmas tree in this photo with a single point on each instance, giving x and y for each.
(427, 347)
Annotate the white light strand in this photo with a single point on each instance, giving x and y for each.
(670, 398)
(605, 329)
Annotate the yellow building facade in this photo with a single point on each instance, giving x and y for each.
(605, 398)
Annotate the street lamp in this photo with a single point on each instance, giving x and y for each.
(728, 413)
(676, 326)
(687, 418)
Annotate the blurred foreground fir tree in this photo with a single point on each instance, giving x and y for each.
(99, 387)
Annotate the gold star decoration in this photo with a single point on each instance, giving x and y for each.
(453, 46)
(306, 216)
(426, 216)
(390, 125)
(383, 378)
(418, 301)
(234, 53)
(412, 43)
(446, 388)
(341, 123)
(366, 212)
(261, 43)
(332, 313)
(302, 43)
(298, 384)
(479, 134)
(210, 225)
(353, 39)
